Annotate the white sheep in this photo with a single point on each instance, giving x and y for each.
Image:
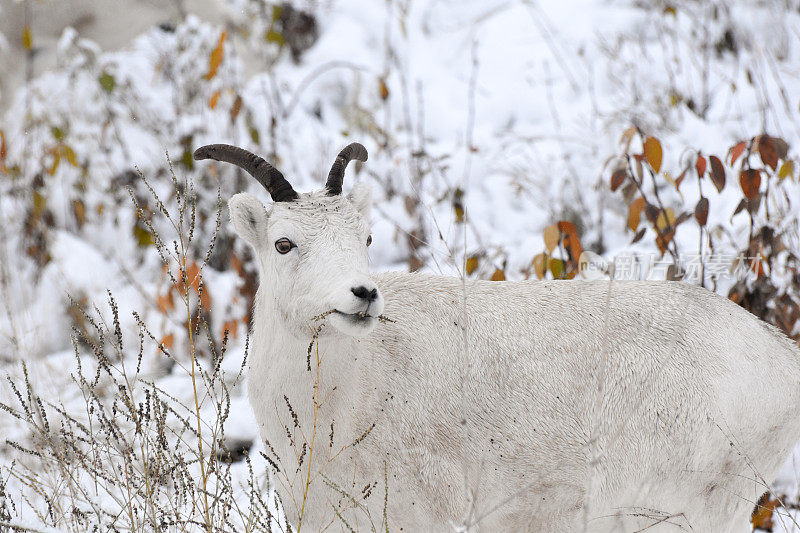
(502, 406)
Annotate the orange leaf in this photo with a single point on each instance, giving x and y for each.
(736, 150)
(165, 302)
(232, 327)
(551, 237)
(383, 89)
(499, 275)
(168, 341)
(750, 180)
(3, 147)
(212, 103)
(653, 153)
(205, 299)
(717, 173)
(215, 59)
(635, 212)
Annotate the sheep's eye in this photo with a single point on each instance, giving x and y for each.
(284, 245)
(369, 240)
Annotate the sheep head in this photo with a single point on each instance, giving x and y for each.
(311, 247)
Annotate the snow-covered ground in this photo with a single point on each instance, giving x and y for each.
(511, 107)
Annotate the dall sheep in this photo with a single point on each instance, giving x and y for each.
(500, 406)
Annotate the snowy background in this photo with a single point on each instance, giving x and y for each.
(486, 122)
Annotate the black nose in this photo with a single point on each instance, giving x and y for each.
(365, 294)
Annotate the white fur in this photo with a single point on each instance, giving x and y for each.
(487, 408)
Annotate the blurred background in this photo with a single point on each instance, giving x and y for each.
(507, 139)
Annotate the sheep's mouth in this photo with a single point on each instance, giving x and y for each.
(356, 318)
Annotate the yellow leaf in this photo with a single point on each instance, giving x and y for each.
(27, 38)
(56, 161)
(551, 236)
(39, 203)
(212, 103)
(665, 218)
(472, 264)
(787, 169)
(459, 213)
(69, 154)
(215, 59)
(653, 153)
(540, 265)
(634, 213)
(499, 275)
(557, 268)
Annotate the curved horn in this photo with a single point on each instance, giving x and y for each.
(267, 175)
(336, 175)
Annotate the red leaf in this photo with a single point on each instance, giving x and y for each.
(717, 173)
(700, 166)
(736, 150)
(750, 180)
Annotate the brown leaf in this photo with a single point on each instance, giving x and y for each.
(750, 180)
(551, 237)
(781, 147)
(80, 212)
(680, 179)
(618, 178)
(701, 211)
(215, 59)
(717, 173)
(653, 153)
(700, 166)
(639, 235)
(766, 149)
(635, 212)
(3, 147)
(565, 226)
(498, 275)
(651, 212)
(736, 150)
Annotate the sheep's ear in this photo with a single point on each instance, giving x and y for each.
(249, 218)
(361, 198)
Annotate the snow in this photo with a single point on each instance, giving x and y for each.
(520, 104)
